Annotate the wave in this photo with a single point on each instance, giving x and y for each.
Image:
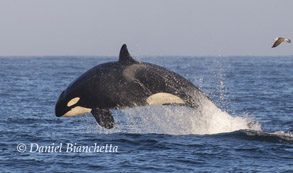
(278, 136)
(253, 135)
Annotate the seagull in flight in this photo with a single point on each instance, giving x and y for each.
(280, 40)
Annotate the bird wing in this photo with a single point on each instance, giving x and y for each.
(277, 43)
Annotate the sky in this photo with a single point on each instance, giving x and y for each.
(148, 27)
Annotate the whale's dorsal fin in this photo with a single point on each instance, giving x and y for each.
(124, 56)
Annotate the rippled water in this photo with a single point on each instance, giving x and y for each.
(251, 133)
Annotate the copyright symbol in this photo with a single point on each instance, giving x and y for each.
(21, 148)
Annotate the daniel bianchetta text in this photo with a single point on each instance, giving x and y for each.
(67, 148)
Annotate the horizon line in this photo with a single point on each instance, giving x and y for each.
(144, 56)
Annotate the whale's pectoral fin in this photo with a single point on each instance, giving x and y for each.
(103, 117)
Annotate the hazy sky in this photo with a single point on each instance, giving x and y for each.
(149, 27)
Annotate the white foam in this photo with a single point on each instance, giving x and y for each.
(177, 120)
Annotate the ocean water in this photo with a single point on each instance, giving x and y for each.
(251, 132)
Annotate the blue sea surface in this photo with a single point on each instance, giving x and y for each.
(257, 91)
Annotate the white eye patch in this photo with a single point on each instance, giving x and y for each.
(73, 101)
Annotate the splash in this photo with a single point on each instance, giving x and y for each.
(176, 120)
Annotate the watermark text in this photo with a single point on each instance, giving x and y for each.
(67, 148)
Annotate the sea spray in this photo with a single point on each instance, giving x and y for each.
(176, 120)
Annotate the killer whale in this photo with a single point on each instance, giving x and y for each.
(126, 83)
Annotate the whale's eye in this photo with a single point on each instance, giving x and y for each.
(73, 101)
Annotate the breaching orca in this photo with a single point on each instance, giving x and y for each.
(126, 83)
